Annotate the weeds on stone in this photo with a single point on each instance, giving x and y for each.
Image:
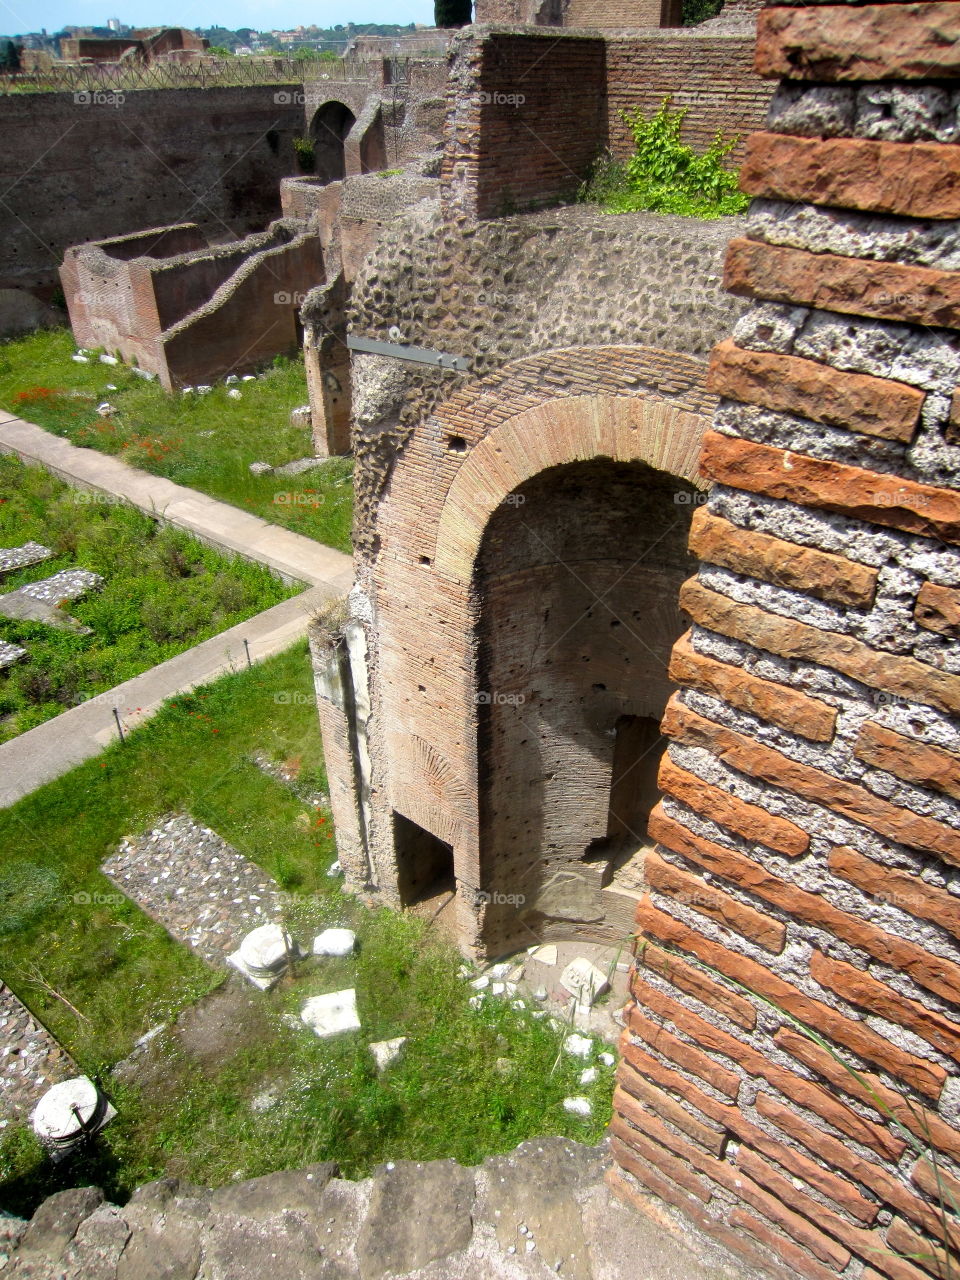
(665, 175)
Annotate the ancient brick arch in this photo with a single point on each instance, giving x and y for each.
(329, 127)
(520, 431)
(622, 428)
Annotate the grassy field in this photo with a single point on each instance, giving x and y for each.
(206, 442)
(164, 592)
(472, 1081)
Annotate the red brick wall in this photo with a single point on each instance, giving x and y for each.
(712, 76)
(790, 1058)
(517, 136)
(520, 137)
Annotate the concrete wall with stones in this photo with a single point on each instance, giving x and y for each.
(74, 172)
(809, 834)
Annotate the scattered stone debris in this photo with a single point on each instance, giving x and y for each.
(288, 776)
(387, 1051)
(584, 981)
(331, 1014)
(546, 954)
(334, 942)
(235, 394)
(578, 1106)
(260, 468)
(189, 880)
(30, 1059)
(579, 1046)
(300, 416)
(12, 558)
(264, 1101)
(335, 869)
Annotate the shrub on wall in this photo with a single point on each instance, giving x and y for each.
(452, 13)
(665, 175)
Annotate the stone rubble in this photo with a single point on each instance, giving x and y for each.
(544, 1209)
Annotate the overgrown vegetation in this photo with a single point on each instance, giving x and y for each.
(665, 175)
(471, 1082)
(206, 442)
(696, 11)
(164, 592)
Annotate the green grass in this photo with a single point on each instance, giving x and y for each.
(204, 442)
(164, 592)
(471, 1082)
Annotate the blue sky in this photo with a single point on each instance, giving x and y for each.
(20, 16)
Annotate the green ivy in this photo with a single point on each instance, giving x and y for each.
(665, 175)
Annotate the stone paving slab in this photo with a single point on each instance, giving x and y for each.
(187, 878)
(10, 653)
(68, 584)
(30, 1059)
(12, 558)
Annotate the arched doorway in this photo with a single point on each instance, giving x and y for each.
(577, 581)
(328, 133)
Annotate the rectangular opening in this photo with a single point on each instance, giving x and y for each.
(424, 862)
(637, 751)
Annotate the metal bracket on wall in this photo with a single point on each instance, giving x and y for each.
(416, 355)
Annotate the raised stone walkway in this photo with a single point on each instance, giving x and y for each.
(200, 889)
(53, 748)
(30, 1059)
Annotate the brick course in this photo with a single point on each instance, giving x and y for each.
(831, 680)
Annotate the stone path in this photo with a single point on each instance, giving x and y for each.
(542, 1211)
(41, 601)
(217, 523)
(53, 748)
(188, 879)
(30, 1059)
(13, 558)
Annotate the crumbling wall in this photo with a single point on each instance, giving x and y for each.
(517, 137)
(791, 1045)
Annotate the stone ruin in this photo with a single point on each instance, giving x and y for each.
(587, 547)
(656, 644)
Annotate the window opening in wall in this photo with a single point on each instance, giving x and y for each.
(424, 862)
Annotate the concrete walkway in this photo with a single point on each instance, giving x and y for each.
(218, 524)
(53, 748)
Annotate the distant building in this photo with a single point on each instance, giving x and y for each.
(147, 45)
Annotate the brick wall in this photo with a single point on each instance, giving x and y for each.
(516, 135)
(711, 76)
(791, 1044)
(213, 156)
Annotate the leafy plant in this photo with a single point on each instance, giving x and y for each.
(305, 154)
(665, 174)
